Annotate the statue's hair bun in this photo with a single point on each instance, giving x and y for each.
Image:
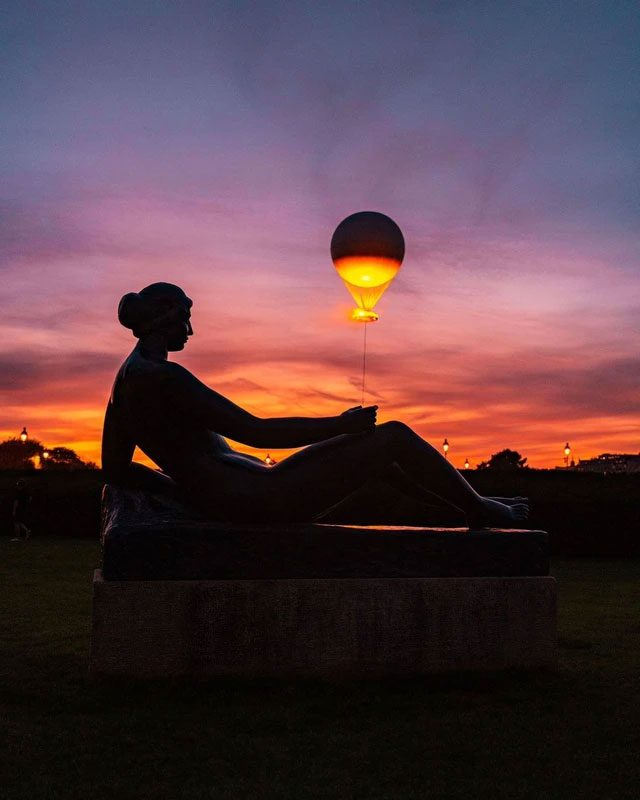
(132, 311)
(142, 311)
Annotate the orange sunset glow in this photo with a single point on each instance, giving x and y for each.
(484, 378)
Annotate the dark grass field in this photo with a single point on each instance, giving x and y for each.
(573, 733)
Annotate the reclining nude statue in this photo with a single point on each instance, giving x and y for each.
(179, 423)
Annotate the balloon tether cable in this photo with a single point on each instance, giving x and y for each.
(364, 361)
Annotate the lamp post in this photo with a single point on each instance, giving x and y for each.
(45, 454)
(567, 453)
(445, 447)
(466, 463)
(23, 435)
(269, 461)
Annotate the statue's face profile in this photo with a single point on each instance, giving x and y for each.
(178, 331)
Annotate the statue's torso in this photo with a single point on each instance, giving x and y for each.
(146, 403)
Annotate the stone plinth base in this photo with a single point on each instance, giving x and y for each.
(322, 626)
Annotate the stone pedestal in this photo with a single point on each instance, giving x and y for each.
(322, 626)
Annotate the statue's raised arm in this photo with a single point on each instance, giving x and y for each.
(217, 413)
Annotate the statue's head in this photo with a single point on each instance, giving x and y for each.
(161, 311)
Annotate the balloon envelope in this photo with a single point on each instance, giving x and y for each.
(367, 249)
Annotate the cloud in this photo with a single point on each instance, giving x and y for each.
(43, 376)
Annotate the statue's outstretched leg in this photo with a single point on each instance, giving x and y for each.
(320, 476)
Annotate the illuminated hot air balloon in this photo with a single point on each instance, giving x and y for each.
(367, 249)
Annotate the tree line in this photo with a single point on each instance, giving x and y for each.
(19, 455)
(506, 460)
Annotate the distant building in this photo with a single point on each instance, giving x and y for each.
(610, 463)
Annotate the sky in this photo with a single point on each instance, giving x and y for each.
(217, 145)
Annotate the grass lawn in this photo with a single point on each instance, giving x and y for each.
(574, 733)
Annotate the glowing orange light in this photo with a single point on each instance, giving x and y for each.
(269, 461)
(23, 435)
(366, 278)
(361, 315)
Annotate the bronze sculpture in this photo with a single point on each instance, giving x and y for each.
(180, 423)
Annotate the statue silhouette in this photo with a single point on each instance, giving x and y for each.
(180, 423)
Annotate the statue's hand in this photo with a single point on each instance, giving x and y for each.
(359, 419)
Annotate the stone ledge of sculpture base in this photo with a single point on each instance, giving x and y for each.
(149, 537)
(322, 627)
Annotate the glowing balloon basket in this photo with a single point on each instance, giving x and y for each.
(367, 250)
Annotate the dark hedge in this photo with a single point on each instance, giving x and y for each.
(585, 514)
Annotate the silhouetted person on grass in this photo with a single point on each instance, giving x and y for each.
(19, 509)
(180, 424)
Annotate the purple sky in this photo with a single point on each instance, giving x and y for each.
(217, 145)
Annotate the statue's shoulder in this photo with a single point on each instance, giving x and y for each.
(136, 369)
(148, 370)
(140, 376)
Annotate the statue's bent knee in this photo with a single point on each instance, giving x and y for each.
(394, 430)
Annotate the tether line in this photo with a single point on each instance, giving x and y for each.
(364, 360)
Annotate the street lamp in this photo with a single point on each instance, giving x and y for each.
(45, 454)
(466, 463)
(445, 447)
(23, 435)
(269, 461)
(567, 453)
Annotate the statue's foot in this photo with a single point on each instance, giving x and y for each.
(511, 501)
(494, 514)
